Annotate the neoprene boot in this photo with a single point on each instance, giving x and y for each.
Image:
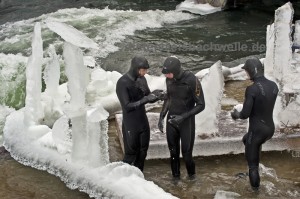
(254, 177)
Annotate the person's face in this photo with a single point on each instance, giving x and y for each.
(143, 72)
(169, 75)
(247, 74)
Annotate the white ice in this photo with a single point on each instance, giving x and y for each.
(226, 195)
(33, 110)
(76, 148)
(282, 66)
(71, 35)
(207, 121)
(202, 9)
(4, 112)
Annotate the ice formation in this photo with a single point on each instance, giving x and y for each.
(207, 121)
(282, 65)
(33, 109)
(71, 34)
(76, 148)
(198, 8)
(226, 195)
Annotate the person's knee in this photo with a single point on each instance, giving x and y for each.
(143, 154)
(174, 152)
(187, 157)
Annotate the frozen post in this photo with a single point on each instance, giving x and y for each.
(86, 132)
(279, 55)
(52, 73)
(52, 111)
(269, 60)
(207, 121)
(283, 42)
(97, 137)
(33, 107)
(78, 80)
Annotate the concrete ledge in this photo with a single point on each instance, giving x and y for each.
(227, 141)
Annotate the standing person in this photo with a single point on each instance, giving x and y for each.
(184, 99)
(258, 106)
(133, 93)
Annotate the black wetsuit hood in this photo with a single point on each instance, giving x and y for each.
(254, 68)
(137, 63)
(172, 65)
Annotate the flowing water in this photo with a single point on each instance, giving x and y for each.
(198, 41)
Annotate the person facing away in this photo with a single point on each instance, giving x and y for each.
(258, 106)
(133, 93)
(184, 99)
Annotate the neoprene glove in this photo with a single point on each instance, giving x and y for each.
(175, 120)
(151, 98)
(235, 114)
(159, 93)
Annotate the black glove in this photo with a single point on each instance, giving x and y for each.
(235, 114)
(161, 124)
(159, 93)
(151, 98)
(175, 120)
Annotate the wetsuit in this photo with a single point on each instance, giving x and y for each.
(183, 101)
(133, 92)
(258, 106)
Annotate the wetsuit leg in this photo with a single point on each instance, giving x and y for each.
(253, 141)
(187, 134)
(131, 145)
(144, 139)
(252, 152)
(173, 140)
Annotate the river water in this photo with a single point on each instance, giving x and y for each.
(196, 40)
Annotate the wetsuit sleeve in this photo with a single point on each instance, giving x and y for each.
(122, 93)
(165, 107)
(143, 85)
(248, 103)
(198, 96)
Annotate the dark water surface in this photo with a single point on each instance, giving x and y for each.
(229, 36)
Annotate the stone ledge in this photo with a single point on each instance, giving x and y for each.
(227, 141)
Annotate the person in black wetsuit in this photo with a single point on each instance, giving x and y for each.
(258, 106)
(184, 99)
(133, 93)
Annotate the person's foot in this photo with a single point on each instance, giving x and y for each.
(176, 177)
(192, 177)
(256, 189)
